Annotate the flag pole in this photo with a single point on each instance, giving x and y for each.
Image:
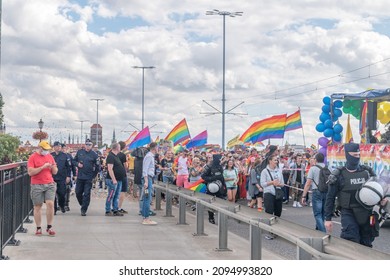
(303, 132)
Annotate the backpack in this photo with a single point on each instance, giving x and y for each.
(323, 180)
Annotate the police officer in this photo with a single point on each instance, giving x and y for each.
(344, 182)
(62, 177)
(73, 173)
(87, 162)
(214, 172)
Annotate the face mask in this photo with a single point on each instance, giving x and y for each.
(44, 153)
(352, 161)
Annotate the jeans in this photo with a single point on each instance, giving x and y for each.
(167, 179)
(83, 193)
(113, 195)
(146, 198)
(318, 201)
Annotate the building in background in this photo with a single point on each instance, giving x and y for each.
(99, 134)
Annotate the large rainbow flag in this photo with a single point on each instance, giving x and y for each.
(294, 121)
(179, 133)
(198, 140)
(198, 186)
(142, 138)
(272, 127)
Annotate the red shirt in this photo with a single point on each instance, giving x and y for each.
(45, 176)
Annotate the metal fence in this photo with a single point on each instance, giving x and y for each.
(15, 203)
(310, 244)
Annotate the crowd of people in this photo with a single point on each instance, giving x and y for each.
(265, 179)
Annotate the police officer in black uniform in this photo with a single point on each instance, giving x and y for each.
(68, 184)
(87, 162)
(214, 172)
(62, 177)
(344, 182)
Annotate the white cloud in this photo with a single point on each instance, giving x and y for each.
(52, 64)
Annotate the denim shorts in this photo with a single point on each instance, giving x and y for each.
(43, 192)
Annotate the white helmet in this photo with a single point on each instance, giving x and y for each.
(370, 194)
(214, 187)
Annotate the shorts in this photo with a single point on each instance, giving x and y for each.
(258, 195)
(125, 185)
(43, 192)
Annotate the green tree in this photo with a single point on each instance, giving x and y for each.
(8, 148)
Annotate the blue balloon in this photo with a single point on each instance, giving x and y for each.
(338, 128)
(324, 117)
(320, 127)
(326, 108)
(328, 132)
(335, 118)
(337, 137)
(326, 100)
(328, 124)
(338, 104)
(338, 113)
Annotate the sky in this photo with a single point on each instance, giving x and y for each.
(57, 55)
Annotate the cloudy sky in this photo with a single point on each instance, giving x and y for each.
(57, 55)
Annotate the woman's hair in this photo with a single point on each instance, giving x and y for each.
(271, 158)
(227, 163)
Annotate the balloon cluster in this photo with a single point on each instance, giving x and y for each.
(353, 107)
(331, 112)
(383, 112)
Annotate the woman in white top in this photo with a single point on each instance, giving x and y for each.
(231, 178)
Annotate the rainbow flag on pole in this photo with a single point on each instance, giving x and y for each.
(294, 121)
(142, 138)
(272, 127)
(198, 140)
(198, 186)
(179, 133)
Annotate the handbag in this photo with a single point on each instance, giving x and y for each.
(279, 193)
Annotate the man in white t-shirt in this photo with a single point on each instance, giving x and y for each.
(182, 169)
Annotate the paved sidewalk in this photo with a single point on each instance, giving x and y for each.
(97, 237)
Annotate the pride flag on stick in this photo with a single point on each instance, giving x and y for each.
(179, 133)
(198, 140)
(198, 186)
(142, 138)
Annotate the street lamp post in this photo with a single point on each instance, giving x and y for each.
(143, 90)
(223, 14)
(40, 125)
(81, 127)
(97, 118)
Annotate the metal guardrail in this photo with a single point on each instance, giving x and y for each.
(310, 244)
(15, 203)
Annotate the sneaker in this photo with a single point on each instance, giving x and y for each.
(193, 207)
(299, 205)
(212, 221)
(83, 213)
(51, 232)
(311, 204)
(116, 213)
(109, 214)
(67, 208)
(149, 222)
(295, 204)
(269, 237)
(123, 211)
(38, 232)
(63, 210)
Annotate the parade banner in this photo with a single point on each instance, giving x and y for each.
(377, 156)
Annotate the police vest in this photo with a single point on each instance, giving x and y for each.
(352, 182)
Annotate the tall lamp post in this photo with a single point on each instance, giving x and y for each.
(40, 125)
(143, 90)
(223, 14)
(81, 128)
(97, 118)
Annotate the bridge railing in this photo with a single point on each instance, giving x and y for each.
(310, 244)
(15, 203)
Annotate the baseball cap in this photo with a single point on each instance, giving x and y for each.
(88, 142)
(44, 145)
(57, 143)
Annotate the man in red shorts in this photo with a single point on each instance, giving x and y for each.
(41, 168)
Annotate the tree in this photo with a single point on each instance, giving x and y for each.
(8, 148)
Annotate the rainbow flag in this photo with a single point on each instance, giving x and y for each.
(363, 124)
(294, 121)
(179, 133)
(198, 140)
(142, 138)
(272, 127)
(198, 186)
